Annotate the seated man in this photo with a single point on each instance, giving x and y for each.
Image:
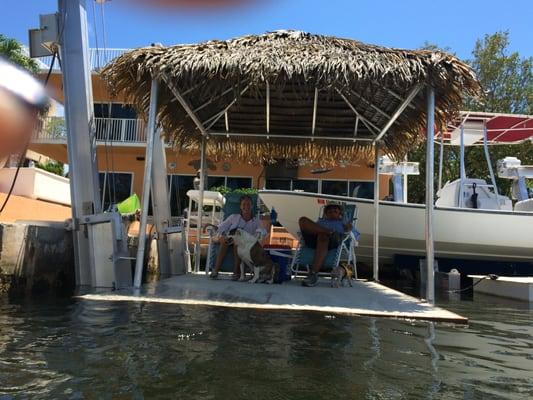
(244, 220)
(323, 235)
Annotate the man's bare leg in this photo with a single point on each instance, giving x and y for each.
(321, 251)
(309, 226)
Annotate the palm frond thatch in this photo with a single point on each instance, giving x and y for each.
(290, 65)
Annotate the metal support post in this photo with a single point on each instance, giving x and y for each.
(198, 250)
(84, 187)
(462, 172)
(430, 288)
(441, 159)
(376, 212)
(161, 208)
(489, 164)
(150, 132)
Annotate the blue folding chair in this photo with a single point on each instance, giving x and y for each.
(345, 252)
(232, 206)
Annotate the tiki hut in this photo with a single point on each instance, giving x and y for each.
(291, 94)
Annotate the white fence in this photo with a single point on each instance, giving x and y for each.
(119, 130)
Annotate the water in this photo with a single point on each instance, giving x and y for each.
(86, 349)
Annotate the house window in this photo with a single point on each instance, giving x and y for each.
(117, 187)
(338, 188)
(234, 182)
(306, 185)
(278, 184)
(231, 182)
(114, 110)
(362, 189)
(215, 181)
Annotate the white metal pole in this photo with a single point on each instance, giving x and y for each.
(150, 132)
(430, 286)
(462, 172)
(77, 88)
(441, 158)
(489, 164)
(200, 207)
(376, 212)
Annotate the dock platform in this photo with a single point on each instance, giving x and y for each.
(511, 287)
(364, 298)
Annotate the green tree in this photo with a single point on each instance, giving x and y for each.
(13, 51)
(508, 81)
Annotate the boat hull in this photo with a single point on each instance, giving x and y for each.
(459, 233)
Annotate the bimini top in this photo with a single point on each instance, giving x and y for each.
(501, 128)
(291, 94)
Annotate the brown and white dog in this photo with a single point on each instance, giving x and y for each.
(341, 273)
(254, 256)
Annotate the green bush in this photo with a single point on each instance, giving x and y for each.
(226, 190)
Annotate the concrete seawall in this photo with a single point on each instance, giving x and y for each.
(36, 258)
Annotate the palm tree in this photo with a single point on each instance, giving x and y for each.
(14, 51)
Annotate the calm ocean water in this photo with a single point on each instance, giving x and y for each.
(77, 349)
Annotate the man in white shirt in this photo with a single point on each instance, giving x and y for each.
(245, 220)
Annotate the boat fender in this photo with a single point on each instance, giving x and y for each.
(473, 198)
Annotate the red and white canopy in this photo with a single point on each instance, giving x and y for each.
(501, 128)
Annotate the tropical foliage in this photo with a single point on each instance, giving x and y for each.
(507, 79)
(14, 51)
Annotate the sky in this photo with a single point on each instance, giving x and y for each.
(408, 24)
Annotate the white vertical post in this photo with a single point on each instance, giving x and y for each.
(441, 158)
(197, 253)
(462, 172)
(150, 132)
(489, 164)
(77, 87)
(161, 207)
(430, 286)
(376, 212)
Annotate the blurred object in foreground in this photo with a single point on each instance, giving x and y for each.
(22, 97)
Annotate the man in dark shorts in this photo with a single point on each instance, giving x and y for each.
(323, 235)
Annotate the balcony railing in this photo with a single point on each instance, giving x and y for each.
(98, 58)
(117, 130)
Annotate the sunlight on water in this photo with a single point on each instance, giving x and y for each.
(87, 349)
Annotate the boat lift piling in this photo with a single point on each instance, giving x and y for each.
(430, 153)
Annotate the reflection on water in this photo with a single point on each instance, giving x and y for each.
(85, 349)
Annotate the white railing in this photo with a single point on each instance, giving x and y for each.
(117, 130)
(120, 130)
(98, 58)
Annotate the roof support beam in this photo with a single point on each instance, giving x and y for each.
(214, 118)
(393, 94)
(356, 127)
(226, 120)
(225, 92)
(379, 110)
(412, 94)
(184, 104)
(276, 136)
(371, 127)
(315, 105)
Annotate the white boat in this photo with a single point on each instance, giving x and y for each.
(471, 220)
(498, 235)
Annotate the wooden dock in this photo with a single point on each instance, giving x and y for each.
(364, 298)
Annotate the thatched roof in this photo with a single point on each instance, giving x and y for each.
(350, 77)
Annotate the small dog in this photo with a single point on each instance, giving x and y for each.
(341, 273)
(253, 255)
